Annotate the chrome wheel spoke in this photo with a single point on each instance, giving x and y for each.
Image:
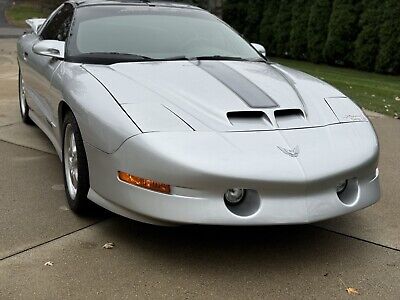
(71, 161)
(22, 99)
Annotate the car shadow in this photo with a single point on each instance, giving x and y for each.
(273, 247)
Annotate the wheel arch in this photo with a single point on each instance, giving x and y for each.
(68, 118)
(63, 108)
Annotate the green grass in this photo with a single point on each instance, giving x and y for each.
(375, 92)
(18, 13)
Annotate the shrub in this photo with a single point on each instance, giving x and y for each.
(298, 34)
(199, 3)
(317, 30)
(282, 27)
(235, 14)
(388, 59)
(367, 43)
(267, 33)
(253, 20)
(343, 31)
(46, 4)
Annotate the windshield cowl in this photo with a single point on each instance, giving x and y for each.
(108, 58)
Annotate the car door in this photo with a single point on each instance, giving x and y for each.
(26, 64)
(40, 69)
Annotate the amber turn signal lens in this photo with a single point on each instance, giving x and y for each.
(144, 183)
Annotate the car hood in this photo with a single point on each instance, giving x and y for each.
(222, 96)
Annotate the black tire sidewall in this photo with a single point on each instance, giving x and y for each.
(80, 204)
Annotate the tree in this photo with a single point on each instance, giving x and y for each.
(298, 34)
(267, 36)
(253, 20)
(199, 3)
(235, 14)
(282, 27)
(49, 4)
(388, 59)
(214, 6)
(367, 43)
(343, 31)
(317, 30)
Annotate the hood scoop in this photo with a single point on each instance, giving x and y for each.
(270, 119)
(289, 118)
(253, 119)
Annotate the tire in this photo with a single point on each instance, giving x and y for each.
(23, 106)
(76, 172)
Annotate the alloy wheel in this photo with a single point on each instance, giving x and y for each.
(71, 161)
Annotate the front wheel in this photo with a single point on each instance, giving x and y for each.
(23, 106)
(76, 174)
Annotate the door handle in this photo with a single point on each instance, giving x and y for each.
(26, 55)
(50, 123)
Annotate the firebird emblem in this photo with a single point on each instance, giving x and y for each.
(291, 152)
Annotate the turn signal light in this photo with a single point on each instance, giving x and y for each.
(144, 183)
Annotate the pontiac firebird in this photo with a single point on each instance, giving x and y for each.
(162, 113)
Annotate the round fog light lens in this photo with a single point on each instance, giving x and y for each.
(234, 196)
(341, 186)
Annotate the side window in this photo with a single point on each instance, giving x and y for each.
(58, 27)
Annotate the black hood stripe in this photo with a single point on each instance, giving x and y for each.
(250, 93)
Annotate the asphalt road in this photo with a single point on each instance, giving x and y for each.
(361, 250)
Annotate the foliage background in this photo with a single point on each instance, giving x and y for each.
(362, 34)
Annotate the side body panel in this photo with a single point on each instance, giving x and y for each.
(37, 72)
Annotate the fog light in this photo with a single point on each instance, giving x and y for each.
(234, 196)
(341, 186)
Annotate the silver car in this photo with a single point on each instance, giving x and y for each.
(162, 113)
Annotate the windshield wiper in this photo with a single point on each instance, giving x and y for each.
(113, 57)
(119, 54)
(108, 58)
(173, 58)
(218, 57)
(210, 57)
(221, 57)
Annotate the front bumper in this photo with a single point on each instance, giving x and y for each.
(154, 208)
(283, 189)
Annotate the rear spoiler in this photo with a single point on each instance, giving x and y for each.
(35, 24)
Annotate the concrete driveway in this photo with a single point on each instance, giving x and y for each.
(361, 250)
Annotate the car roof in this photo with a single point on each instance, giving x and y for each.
(133, 2)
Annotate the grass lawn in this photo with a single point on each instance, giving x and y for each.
(376, 92)
(18, 13)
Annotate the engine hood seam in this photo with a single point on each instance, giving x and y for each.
(83, 67)
(292, 84)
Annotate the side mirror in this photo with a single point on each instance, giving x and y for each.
(260, 49)
(35, 24)
(51, 48)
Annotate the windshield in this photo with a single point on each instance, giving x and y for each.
(137, 33)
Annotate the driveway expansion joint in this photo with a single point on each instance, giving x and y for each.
(7, 125)
(356, 238)
(51, 240)
(27, 147)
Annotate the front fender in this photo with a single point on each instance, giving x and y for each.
(102, 122)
